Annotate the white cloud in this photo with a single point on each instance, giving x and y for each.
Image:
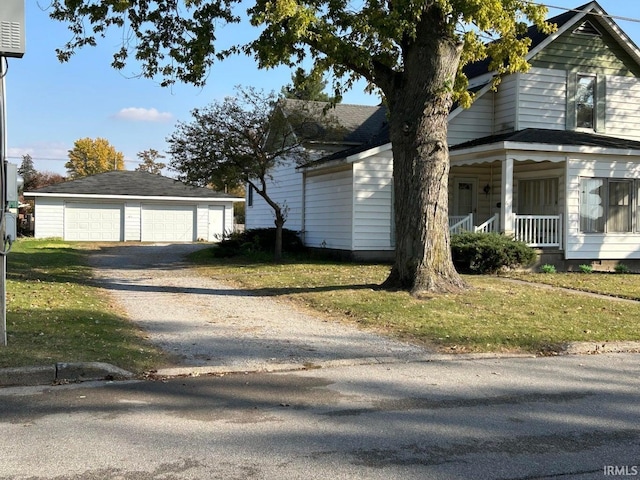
(137, 114)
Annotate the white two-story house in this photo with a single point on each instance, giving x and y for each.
(552, 157)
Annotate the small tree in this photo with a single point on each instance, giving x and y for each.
(239, 140)
(89, 157)
(307, 87)
(27, 171)
(150, 162)
(44, 179)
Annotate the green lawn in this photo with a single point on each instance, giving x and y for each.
(493, 316)
(55, 315)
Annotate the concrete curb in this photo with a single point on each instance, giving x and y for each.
(61, 373)
(592, 348)
(96, 371)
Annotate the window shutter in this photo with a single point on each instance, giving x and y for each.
(570, 123)
(601, 103)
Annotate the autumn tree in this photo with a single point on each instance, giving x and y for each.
(44, 179)
(89, 157)
(411, 52)
(150, 162)
(239, 140)
(38, 180)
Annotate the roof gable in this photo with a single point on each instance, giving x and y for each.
(129, 183)
(578, 48)
(612, 37)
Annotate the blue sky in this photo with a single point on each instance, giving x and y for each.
(51, 105)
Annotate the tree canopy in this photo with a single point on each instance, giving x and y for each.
(150, 162)
(412, 52)
(27, 171)
(237, 141)
(307, 86)
(89, 157)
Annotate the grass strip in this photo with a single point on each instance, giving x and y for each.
(54, 314)
(494, 316)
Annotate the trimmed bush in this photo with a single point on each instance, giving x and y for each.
(483, 253)
(257, 241)
(621, 268)
(548, 268)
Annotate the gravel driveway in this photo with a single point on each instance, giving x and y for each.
(205, 323)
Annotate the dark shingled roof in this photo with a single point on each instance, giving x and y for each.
(345, 123)
(553, 137)
(121, 182)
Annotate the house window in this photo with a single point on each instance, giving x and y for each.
(619, 218)
(606, 205)
(592, 205)
(249, 196)
(585, 101)
(538, 196)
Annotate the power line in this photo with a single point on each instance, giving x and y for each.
(577, 10)
(56, 159)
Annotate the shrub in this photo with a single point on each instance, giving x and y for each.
(548, 268)
(483, 253)
(257, 241)
(586, 268)
(621, 268)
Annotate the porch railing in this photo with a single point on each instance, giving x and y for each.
(539, 230)
(461, 223)
(491, 225)
(534, 230)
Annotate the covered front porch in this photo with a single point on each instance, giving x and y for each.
(514, 188)
(539, 231)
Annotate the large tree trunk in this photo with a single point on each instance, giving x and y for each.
(419, 109)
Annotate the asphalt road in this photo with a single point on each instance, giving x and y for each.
(571, 417)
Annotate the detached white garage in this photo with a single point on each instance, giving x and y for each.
(131, 206)
(167, 222)
(91, 222)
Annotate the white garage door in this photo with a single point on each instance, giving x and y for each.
(93, 222)
(164, 223)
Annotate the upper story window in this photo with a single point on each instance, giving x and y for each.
(585, 101)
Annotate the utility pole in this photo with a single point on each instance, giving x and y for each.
(12, 44)
(3, 196)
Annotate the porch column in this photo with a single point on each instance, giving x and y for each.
(506, 197)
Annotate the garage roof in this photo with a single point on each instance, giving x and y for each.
(119, 183)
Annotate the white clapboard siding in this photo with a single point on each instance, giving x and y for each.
(285, 188)
(328, 216)
(474, 122)
(623, 107)
(597, 245)
(49, 214)
(132, 220)
(542, 99)
(372, 208)
(505, 105)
